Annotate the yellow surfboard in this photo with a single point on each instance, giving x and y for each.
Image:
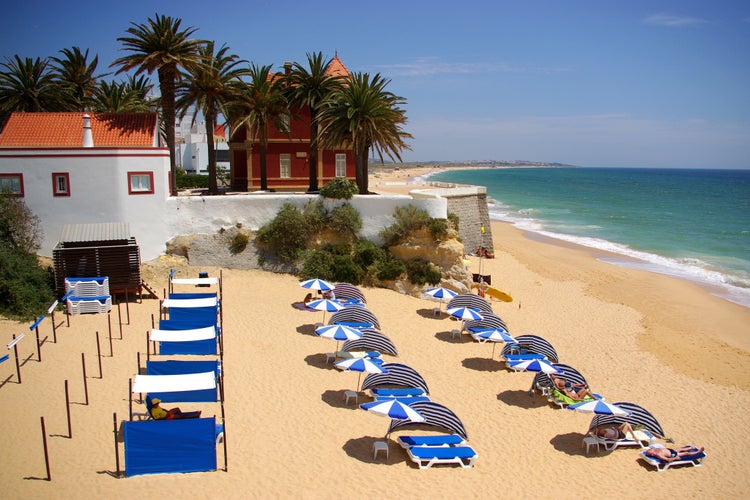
(494, 293)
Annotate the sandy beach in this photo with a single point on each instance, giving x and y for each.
(656, 341)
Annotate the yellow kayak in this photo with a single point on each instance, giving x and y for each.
(494, 293)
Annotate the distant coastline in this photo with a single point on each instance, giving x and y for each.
(376, 166)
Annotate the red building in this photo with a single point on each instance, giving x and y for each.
(287, 154)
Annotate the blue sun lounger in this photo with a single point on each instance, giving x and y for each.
(695, 460)
(407, 400)
(379, 392)
(435, 440)
(427, 456)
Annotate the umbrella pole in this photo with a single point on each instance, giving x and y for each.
(359, 376)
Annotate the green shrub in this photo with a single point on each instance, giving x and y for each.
(191, 181)
(390, 268)
(453, 218)
(26, 290)
(438, 229)
(407, 220)
(317, 264)
(344, 220)
(339, 188)
(314, 214)
(366, 253)
(421, 271)
(346, 270)
(239, 243)
(286, 235)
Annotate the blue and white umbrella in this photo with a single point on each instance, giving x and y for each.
(360, 365)
(393, 408)
(338, 333)
(440, 293)
(316, 284)
(493, 335)
(534, 365)
(325, 305)
(465, 313)
(598, 407)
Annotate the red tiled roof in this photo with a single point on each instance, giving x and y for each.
(65, 130)
(337, 68)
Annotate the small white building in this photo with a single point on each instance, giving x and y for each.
(72, 168)
(192, 146)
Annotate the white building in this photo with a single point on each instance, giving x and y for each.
(192, 146)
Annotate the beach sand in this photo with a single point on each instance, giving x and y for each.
(662, 343)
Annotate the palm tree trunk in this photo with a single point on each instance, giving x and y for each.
(313, 187)
(361, 170)
(263, 147)
(213, 186)
(167, 74)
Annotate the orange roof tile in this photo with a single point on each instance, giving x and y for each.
(337, 68)
(65, 130)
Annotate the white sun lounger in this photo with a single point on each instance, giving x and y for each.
(427, 456)
(433, 440)
(695, 460)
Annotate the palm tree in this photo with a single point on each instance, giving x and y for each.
(362, 113)
(210, 86)
(76, 76)
(28, 85)
(308, 89)
(118, 97)
(159, 45)
(262, 103)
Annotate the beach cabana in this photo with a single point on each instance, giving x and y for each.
(639, 418)
(354, 317)
(436, 416)
(170, 446)
(348, 291)
(543, 381)
(371, 340)
(489, 320)
(470, 300)
(398, 375)
(531, 344)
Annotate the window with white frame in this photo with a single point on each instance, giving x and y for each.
(340, 165)
(285, 165)
(12, 184)
(61, 184)
(140, 182)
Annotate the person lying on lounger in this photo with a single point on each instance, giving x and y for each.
(670, 455)
(616, 432)
(577, 392)
(160, 413)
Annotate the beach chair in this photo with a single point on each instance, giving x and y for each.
(643, 439)
(384, 392)
(407, 400)
(695, 460)
(563, 400)
(440, 440)
(427, 456)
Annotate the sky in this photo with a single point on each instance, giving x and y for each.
(610, 83)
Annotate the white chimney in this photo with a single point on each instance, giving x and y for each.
(88, 137)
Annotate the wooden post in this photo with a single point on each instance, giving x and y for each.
(46, 451)
(85, 382)
(117, 450)
(130, 398)
(54, 327)
(148, 349)
(138, 359)
(15, 354)
(127, 304)
(99, 355)
(67, 408)
(38, 346)
(111, 352)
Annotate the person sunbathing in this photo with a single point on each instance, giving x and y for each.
(577, 392)
(671, 455)
(159, 413)
(616, 432)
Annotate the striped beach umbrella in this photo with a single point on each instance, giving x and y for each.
(436, 415)
(638, 417)
(361, 365)
(534, 365)
(599, 407)
(325, 305)
(316, 284)
(440, 293)
(465, 313)
(398, 375)
(470, 300)
(338, 333)
(393, 408)
(493, 335)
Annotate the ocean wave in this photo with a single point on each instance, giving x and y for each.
(728, 283)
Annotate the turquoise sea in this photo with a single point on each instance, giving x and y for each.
(688, 223)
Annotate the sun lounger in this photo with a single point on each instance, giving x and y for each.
(515, 358)
(400, 392)
(407, 400)
(643, 439)
(562, 400)
(427, 456)
(435, 440)
(338, 355)
(355, 324)
(694, 460)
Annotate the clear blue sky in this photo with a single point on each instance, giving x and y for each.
(656, 83)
